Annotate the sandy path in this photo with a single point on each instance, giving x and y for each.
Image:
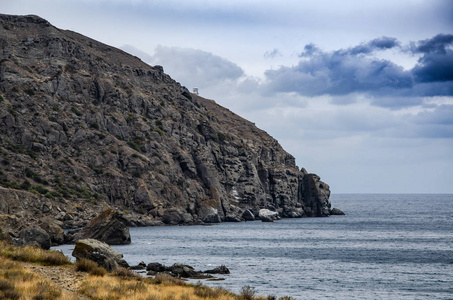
(65, 277)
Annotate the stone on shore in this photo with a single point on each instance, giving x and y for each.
(109, 227)
(34, 236)
(99, 252)
(267, 215)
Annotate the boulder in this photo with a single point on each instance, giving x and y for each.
(99, 252)
(336, 212)
(185, 271)
(109, 227)
(209, 214)
(156, 267)
(248, 215)
(219, 270)
(267, 215)
(176, 216)
(34, 236)
(141, 266)
(54, 229)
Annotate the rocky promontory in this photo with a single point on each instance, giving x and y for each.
(85, 127)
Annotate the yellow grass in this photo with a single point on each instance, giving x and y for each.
(110, 287)
(17, 282)
(32, 254)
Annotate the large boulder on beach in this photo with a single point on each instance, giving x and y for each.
(99, 252)
(248, 215)
(34, 236)
(267, 215)
(110, 227)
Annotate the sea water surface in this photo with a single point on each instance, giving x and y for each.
(387, 246)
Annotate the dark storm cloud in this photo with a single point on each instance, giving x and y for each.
(357, 70)
(436, 64)
(437, 44)
(382, 43)
(341, 72)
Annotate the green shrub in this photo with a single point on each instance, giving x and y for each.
(76, 111)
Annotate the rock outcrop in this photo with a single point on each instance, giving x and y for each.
(109, 227)
(85, 127)
(185, 271)
(34, 236)
(99, 252)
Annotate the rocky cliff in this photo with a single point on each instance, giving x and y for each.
(85, 126)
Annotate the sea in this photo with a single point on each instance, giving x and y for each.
(387, 246)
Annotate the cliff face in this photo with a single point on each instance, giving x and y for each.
(85, 125)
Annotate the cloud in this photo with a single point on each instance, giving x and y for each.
(383, 43)
(273, 53)
(192, 67)
(437, 44)
(436, 64)
(340, 72)
(358, 70)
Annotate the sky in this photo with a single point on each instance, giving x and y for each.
(359, 92)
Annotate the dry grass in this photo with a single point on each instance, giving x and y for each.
(17, 282)
(89, 266)
(34, 255)
(110, 287)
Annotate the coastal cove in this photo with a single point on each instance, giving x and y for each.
(387, 246)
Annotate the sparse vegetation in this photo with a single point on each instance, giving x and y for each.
(17, 282)
(34, 255)
(76, 111)
(89, 266)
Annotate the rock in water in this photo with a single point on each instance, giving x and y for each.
(218, 270)
(109, 227)
(99, 252)
(336, 212)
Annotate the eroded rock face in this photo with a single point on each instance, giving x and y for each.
(90, 126)
(109, 227)
(99, 252)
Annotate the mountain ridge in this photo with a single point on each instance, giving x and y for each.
(85, 126)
